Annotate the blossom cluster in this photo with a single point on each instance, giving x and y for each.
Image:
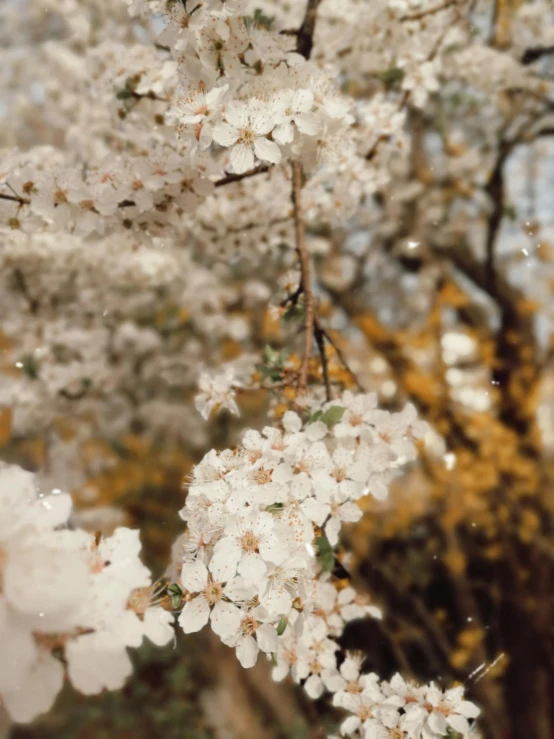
(257, 557)
(70, 602)
(258, 516)
(397, 708)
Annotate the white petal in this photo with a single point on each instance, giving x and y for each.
(268, 641)
(332, 530)
(307, 123)
(225, 134)
(316, 511)
(302, 100)
(223, 565)
(194, 615)
(17, 649)
(241, 158)
(458, 723)
(247, 652)
(225, 619)
(468, 709)
(262, 123)
(158, 626)
(314, 687)
(267, 151)
(194, 576)
(252, 568)
(97, 661)
(350, 512)
(283, 133)
(37, 694)
(236, 114)
(128, 629)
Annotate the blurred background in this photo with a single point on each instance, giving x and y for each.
(440, 294)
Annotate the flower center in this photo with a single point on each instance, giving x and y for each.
(263, 476)
(315, 667)
(248, 625)
(139, 600)
(365, 713)
(213, 592)
(60, 196)
(246, 136)
(353, 687)
(249, 542)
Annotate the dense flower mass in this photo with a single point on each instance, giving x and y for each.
(183, 182)
(70, 603)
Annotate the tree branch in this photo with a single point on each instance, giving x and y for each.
(305, 273)
(305, 36)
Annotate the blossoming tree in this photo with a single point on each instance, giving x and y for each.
(190, 195)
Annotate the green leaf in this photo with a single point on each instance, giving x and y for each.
(391, 76)
(282, 625)
(333, 415)
(175, 589)
(294, 314)
(270, 356)
(30, 366)
(176, 600)
(315, 416)
(275, 508)
(325, 554)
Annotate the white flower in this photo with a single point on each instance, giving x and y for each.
(196, 111)
(35, 694)
(294, 106)
(97, 661)
(216, 392)
(245, 130)
(211, 602)
(249, 542)
(254, 633)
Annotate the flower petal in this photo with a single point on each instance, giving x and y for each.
(267, 151)
(194, 615)
(225, 619)
(194, 576)
(242, 158)
(225, 134)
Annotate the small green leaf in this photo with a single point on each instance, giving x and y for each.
(294, 314)
(315, 416)
(176, 600)
(270, 356)
(175, 589)
(325, 554)
(391, 76)
(282, 625)
(275, 508)
(333, 415)
(30, 366)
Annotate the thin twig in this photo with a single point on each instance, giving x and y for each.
(15, 199)
(320, 341)
(340, 354)
(229, 178)
(305, 273)
(429, 11)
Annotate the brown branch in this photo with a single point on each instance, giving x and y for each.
(305, 36)
(320, 341)
(229, 178)
(429, 11)
(15, 199)
(531, 55)
(305, 273)
(340, 355)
